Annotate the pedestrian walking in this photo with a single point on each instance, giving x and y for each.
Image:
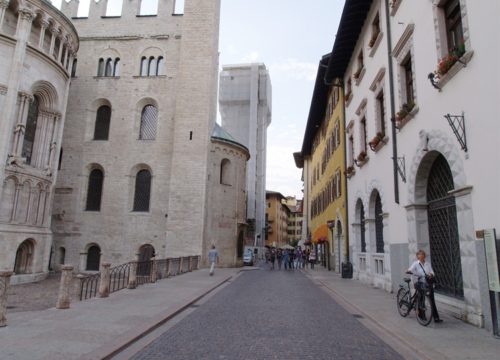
(279, 257)
(312, 259)
(272, 258)
(213, 257)
(285, 258)
(290, 259)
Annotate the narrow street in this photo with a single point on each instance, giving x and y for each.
(267, 314)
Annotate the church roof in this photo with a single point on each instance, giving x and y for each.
(219, 133)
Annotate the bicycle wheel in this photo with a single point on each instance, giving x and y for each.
(424, 309)
(403, 302)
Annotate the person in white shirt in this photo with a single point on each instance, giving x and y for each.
(423, 270)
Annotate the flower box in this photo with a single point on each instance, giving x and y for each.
(377, 142)
(406, 113)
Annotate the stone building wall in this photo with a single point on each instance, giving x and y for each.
(37, 48)
(176, 156)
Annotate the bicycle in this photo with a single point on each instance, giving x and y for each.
(419, 300)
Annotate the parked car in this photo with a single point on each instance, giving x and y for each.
(248, 258)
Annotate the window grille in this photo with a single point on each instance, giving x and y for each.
(149, 120)
(102, 122)
(379, 225)
(94, 191)
(142, 191)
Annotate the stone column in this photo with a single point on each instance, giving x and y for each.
(190, 267)
(44, 24)
(168, 267)
(132, 277)
(180, 266)
(54, 32)
(64, 298)
(4, 287)
(4, 4)
(61, 45)
(105, 280)
(154, 270)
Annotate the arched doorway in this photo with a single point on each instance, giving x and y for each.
(146, 253)
(443, 229)
(24, 257)
(93, 258)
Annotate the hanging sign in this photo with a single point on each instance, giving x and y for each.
(491, 259)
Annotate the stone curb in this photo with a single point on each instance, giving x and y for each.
(414, 345)
(107, 351)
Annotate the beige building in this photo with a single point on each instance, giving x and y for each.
(37, 50)
(295, 219)
(277, 214)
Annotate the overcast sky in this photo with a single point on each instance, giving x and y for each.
(289, 36)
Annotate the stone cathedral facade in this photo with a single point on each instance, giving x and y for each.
(129, 175)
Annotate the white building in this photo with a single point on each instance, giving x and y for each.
(245, 105)
(38, 45)
(428, 180)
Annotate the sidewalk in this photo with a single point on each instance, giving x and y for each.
(452, 339)
(96, 328)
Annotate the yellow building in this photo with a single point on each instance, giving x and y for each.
(277, 214)
(323, 160)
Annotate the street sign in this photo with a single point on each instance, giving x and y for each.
(491, 259)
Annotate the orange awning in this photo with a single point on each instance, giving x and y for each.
(321, 233)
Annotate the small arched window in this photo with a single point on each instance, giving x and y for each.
(30, 130)
(362, 229)
(94, 190)
(100, 67)
(225, 172)
(152, 66)
(144, 66)
(160, 68)
(149, 120)
(102, 121)
(73, 68)
(116, 67)
(142, 191)
(109, 67)
(379, 225)
(93, 258)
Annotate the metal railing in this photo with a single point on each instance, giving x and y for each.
(145, 272)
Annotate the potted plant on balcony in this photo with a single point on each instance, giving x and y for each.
(349, 171)
(406, 108)
(446, 63)
(362, 156)
(376, 140)
(357, 73)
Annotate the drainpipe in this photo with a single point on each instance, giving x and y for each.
(393, 106)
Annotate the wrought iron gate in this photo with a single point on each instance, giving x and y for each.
(443, 230)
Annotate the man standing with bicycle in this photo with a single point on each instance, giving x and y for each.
(423, 270)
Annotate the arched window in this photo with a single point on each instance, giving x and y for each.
(24, 257)
(102, 121)
(225, 172)
(93, 258)
(116, 67)
(94, 190)
(152, 66)
(361, 219)
(109, 67)
(379, 224)
(73, 68)
(100, 67)
(62, 255)
(149, 120)
(160, 68)
(142, 191)
(144, 66)
(30, 130)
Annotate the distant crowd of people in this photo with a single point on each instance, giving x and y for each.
(290, 259)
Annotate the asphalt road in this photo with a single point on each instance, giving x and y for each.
(267, 314)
